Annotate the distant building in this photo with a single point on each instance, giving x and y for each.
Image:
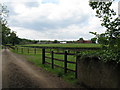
(79, 41)
(87, 41)
(84, 41)
(63, 42)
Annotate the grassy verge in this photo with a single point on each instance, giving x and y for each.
(37, 60)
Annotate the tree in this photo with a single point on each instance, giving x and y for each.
(93, 40)
(4, 30)
(102, 39)
(3, 14)
(13, 39)
(8, 36)
(81, 39)
(55, 41)
(107, 16)
(5, 34)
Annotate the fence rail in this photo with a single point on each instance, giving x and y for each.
(65, 61)
(65, 48)
(66, 53)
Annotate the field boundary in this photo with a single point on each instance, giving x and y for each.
(64, 48)
(65, 61)
(66, 52)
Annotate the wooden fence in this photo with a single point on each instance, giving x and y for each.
(44, 61)
(66, 53)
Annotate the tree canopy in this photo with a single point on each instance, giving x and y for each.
(110, 21)
(8, 36)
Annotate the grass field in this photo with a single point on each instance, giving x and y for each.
(30, 51)
(65, 45)
(37, 58)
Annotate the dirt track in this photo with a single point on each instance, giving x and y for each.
(18, 73)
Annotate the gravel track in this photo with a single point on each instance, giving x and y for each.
(18, 73)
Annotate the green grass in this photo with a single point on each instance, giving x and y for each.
(65, 45)
(37, 60)
(39, 53)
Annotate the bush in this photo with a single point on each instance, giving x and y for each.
(103, 55)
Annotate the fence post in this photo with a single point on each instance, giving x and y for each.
(35, 50)
(28, 50)
(76, 68)
(22, 50)
(17, 49)
(52, 57)
(43, 56)
(65, 62)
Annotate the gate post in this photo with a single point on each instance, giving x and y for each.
(76, 68)
(65, 62)
(22, 50)
(52, 55)
(28, 50)
(35, 50)
(43, 56)
(76, 71)
(17, 49)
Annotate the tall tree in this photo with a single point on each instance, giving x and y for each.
(4, 31)
(93, 40)
(13, 38)
(81, 39)
(5, 34)
(8, 36)
(3, 14)
(107, 16)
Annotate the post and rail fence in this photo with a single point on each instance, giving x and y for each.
(66, 53)
(65, 61)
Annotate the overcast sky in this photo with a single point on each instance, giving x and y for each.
(53, 19)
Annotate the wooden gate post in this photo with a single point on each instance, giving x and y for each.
(43, 56)
(28, 50)
(17, 49)
(52, 57)
(22, 50)
(65, 62)
(76, 70)
(35, 50)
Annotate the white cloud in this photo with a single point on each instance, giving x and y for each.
(73, 19)
(29, 33)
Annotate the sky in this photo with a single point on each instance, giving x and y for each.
(54, 19)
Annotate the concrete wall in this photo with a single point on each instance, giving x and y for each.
(96, 74)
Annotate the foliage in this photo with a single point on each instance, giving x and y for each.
(3, 14)
(8, 36)
(100, 38)
(107, 16)
(102, 55)
(93, 40)
(110, 39)
(81, 39)
(55, 41)
(5, 34)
